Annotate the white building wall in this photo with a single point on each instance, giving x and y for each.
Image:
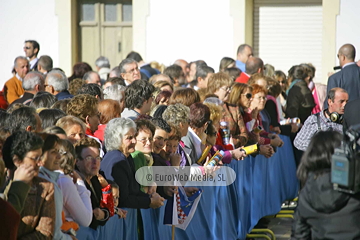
(23, 20)
(347, 26)
(189, 29)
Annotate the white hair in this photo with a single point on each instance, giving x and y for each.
(32, 79)
(58, 80)
(102, 62)
(115, 131)
(114, 92)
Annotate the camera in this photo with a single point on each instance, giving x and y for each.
(345, 162)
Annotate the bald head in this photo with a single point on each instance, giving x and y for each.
(183, 64)
(254, 65)
(348, 51)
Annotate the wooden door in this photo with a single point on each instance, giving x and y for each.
(105, 30)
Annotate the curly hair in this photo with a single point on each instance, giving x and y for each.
(115, 131)
(75, 85)
(67, 161)
(176, 114)
(85, 143)
(82, 105)
(19, 144)
(138, 92)
(186, 96)
(257, 89)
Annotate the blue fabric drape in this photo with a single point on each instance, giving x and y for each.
(230, 212)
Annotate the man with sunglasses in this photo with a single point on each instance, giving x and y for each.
(31, 50)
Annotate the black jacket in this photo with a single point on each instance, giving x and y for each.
(324, 213)
(299, 102)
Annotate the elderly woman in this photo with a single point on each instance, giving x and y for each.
(73, 127)
(76, 198)
(50, 163)
(37, 208)
(253, 119)
(84, 107)
(108, 110)
(118, 165)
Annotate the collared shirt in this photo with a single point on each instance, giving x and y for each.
(18, 77)
(240, 65)
(310, 127)
(33, 62)
(348, 64)
(197, 142)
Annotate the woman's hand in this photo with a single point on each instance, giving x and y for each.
(238, 154)
(156, 201)
(24, 173)
(266, 150)
(102, 181)
(99, 214)
(276, 141)
(175, 159)
(294, 127)
(121, 213)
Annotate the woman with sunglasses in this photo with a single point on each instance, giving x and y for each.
(51, 159)
(36, 203)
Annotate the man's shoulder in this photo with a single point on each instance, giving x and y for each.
(12, 79)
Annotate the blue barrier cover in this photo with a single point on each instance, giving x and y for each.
(230, 212)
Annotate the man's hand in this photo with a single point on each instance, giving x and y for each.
(156, 201)
(190, 191)
(170, 190)
(24, 173)
(238, 154)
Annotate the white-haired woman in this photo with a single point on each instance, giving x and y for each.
(116, 92)
(119, 167)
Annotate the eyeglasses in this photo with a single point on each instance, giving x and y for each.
(145, 140)
(133, 70)
(247, 95)
(262, 98)
(91, 159)
(37, 159)
(282, 82)
(27, 48)
(226, 89)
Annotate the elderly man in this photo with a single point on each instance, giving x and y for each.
(129, 70)
(92, 77)
(253, 65)
(57, 84)
(31, 50)
(32, 83)
(330, 118)
(244, 52)
(349, 76)
(13, 87)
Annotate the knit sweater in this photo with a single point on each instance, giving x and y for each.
(13, 89)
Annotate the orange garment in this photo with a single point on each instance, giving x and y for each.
(13, 89)
(66, 226)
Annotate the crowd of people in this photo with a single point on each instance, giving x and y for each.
(71, 145)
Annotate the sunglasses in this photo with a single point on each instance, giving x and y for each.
(248, 95)
(27, 48)
(282, 82)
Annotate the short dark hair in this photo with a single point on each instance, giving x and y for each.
(43, 100)
(49, 117)
(138, 92)
(202, 71)
(20, 143)
(134, 55)
(49, 141)
(35, 45)
(4, 116)
(21, 118)
(332, 92)
(162, 124)
(61, 104)
(199, 115)
(174, 72)
(116, 80)
(46, 62)
(91, 89)
(85, 143)
(142, 123)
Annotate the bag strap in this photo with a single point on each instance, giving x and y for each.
(318, 120)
